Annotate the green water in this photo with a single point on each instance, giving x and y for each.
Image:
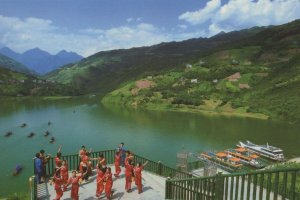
(155, 135)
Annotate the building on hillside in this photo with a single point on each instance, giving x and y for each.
(234, 77)
(215, 81)
(244, 86)
(188, 66)
(22, 81)
(194, 80)
(149, 77)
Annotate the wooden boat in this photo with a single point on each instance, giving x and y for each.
(46, 133)
(23, 125)
(52, 139)
(31, 135)
(251, 159)
(17, 170)
(7, 134)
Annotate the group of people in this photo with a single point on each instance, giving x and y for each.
(104, 181)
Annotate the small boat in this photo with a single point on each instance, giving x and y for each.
(267, 150)
(31, 135)
(52, 139)
(46, 133)
(17, 170)
(7, 134)
(49, 123)
(23, 125)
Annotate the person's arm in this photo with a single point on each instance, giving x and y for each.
(59, 149)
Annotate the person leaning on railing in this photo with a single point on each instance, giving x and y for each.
(38, 166)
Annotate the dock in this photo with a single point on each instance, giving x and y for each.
(153, 188)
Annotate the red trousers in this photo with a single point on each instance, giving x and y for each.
(108, 187)
(118, 170)
(74, 192)
(59, 193)
(128, 180)
(138, 183)
(100, 188)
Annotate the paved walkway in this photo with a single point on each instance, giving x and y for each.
(153, 189)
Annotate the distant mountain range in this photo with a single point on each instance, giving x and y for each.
(13, 65)
(41, 61)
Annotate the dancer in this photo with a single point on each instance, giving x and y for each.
(128, 174)
(64, 174)
(83, 168)
(45, 158)
(138, 175)
(57, 158)
(117, 164)
(100, 179)
(75, 179)
(108, 184)
(57, 181)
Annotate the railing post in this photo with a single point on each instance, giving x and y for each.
(219, 186)
(168, 189)
(159, 168)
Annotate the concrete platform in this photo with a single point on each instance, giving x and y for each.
(153, 189)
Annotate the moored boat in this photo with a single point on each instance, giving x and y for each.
(23, 125)
(46, 133)
(31, 135)
(267, 150)
(8, 133)
(52, 139)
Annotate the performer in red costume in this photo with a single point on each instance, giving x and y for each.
(57, 158)
(100, 179)
(117, 164)
(57, 181)
(64, 174)
(109, 183)
(138, 175)
(74, 180)
(83, 168)
(128, 174)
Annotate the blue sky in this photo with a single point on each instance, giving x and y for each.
(89, 26)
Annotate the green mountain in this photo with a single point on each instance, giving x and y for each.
(13, 83)
(257, 75)
(105, 71)
(13, 65)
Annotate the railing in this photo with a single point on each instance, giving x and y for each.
(73, 163)
(267, 184)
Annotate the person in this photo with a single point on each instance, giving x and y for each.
(45, 158)
(108, 184)
(123, 153)
(74, 180)
(57, 181)
(83, 168)
(38, 166)
(100, 179)
(117, 164)
(64, 174)
(82, 152)
(138, 175)
(100, 159)
(57, 158)
(128, 174)
(129, 156)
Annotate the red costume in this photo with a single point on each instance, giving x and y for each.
(82, 153)
(102, 161)
(57, 181)
(108, 184)
(128, 175)
(75, 186)
(138, 177)
(57, 162)
(117, 165)
(85, 158)
(64, 175)
(100, 185)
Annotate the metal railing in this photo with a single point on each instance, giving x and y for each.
(267, 184)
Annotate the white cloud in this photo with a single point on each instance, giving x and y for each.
(23, 34)
(202, 15)
(130, 19)
(239, 14)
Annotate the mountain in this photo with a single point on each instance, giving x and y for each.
(13, 65)
(41, 61)
(105, 71)
(256, 76)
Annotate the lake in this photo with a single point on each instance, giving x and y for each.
(152, 134)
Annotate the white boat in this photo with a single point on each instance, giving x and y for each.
(267, 150)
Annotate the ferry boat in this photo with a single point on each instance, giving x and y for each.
(267, 150)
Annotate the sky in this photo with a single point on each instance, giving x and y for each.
(90, 26)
